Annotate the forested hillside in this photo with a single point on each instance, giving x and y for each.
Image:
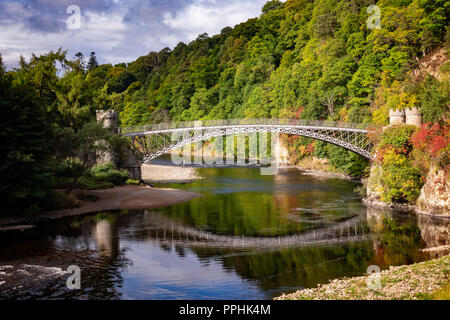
(306, 59)
(299, 59)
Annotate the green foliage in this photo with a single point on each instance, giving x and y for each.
(109, 173)
(348, 162)
(92, 64)
(300, 59)
(398, 137)
(120, 82)
(132, 182)
(25, 148)
(435, 99)
(271, 5)
(87, 182)
(402, 182)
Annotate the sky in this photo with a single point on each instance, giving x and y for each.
(117, 30)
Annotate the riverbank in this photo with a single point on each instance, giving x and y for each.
(415, 282)
(323, 174)
(169, 174)
(321, 168)
(126, 198)
(400, 207)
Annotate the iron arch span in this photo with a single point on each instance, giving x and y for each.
(150, 142)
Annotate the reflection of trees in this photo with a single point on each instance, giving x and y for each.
(250, 214)
(102, 261)
(272, 269)
(396, 238)
(92, 243)
(258, 214)
(294, 267)
(242, 202)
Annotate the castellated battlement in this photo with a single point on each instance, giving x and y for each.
(410, 116)
(413, 117)
(109, 118)
(397, 117)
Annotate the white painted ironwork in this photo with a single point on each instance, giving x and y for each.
(152, 141)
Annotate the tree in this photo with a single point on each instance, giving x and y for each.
(80, 61)
(92, 64)
(76, 150)
(120, 82)
(25, 151)
(328, 100)
(271, 5)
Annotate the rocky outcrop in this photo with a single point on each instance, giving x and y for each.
(282, 153)
(374, 184)
(431, 64)
(435, 196)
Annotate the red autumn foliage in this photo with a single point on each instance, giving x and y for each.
(379, 155)
(299, 112)
(432, 138)
(311, 148)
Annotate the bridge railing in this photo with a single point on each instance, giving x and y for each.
(235, 122)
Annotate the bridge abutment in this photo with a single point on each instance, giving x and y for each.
(110, 120)
(127, 160)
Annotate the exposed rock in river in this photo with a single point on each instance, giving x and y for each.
(435, 196)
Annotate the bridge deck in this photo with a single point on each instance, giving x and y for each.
(223, 124)
(154, 140)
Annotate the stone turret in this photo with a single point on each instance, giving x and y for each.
(413, 117)
(110, 120)
(397, 117)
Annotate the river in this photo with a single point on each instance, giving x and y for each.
(249, 237)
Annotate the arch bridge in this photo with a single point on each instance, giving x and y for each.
(151, 141)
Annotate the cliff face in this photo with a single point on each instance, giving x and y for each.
(431, 64)
(374, 183)
(435, 196)
(282, 153)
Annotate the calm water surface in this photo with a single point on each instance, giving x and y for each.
(248, 237)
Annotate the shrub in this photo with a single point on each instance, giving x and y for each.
(348, 162)
(432, 137)
(398, 136)
(396, 139)
(402, 182)
(109, 173)
(92, 183)
(100, 169)
(133, 182)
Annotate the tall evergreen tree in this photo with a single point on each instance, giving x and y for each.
(93, 63)
(79, 59)
(25, 149)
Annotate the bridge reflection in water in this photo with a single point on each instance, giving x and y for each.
(167, 231)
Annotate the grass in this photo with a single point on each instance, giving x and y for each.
(443, 294)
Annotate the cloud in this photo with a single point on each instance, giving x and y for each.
(210, 16)
(117, 30)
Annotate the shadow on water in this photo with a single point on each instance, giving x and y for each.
(248, 237)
